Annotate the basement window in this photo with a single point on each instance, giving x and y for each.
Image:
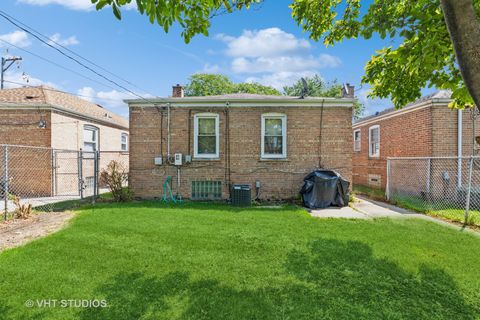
(206, 190)
(357, 140)
(374, 141)
(274, 136)
(206, 142)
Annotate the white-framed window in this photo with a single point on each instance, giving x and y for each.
(357, 140)
(274, 136)
(206, 141)
(90, 138)
(124, 143)
(374, 141)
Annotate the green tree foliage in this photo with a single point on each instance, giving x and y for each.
(424, 51)
(192, 15)
(317, 87)
(205, 84)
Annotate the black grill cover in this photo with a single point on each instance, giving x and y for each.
(324, 188)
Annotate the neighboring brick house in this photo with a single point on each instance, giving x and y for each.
(267, 142)
(45, 117)
(425, 128)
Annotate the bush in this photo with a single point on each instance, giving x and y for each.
(115, 177)
(22, 211)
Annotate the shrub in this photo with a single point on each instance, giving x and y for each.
(22, 211)
(115, 177)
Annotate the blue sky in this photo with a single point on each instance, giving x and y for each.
(262, 44)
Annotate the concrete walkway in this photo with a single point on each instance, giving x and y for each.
(364, 208)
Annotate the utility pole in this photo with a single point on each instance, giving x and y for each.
(6, 65)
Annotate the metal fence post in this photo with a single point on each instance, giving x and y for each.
(95, 175)
(469, 190)
(5, 182)
(387, 189)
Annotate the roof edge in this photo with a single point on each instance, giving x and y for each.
(47, 106)
(434, 101)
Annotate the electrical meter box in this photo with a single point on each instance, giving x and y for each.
(158, 161)
(178, 159)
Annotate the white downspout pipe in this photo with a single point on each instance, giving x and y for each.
(459, 147)
(168, 132)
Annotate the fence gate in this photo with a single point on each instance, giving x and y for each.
(75, 173)
(45, 177)
(66, 173)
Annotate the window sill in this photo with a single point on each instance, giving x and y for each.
(205, 159)
(274, 159)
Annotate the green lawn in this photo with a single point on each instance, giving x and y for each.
(209, 261)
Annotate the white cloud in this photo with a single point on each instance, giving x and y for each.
(57, 37)
(81, 5)
(282, 64)
(273, 57)
(18, 38)
(84, 5)
(266, 42)
(112, 99)
(280, 79)
(211, 68)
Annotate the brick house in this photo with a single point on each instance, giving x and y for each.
(267, 142)
(47, 118)
(425, 128)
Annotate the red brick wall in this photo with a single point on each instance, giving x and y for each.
(430, 132)
(280, 179)
(405, 135)
(21, 127)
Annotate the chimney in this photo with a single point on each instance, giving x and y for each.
(178, 91)
(348, 91)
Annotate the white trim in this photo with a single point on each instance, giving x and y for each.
(96, 132)
(359, 140)
(215, 155)
(201, 102)
(370, 153)
(283, 117)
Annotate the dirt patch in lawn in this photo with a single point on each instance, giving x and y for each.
(17, 232)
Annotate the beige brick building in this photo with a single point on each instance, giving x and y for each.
(267, 142)
(45, 117)
(425, 128)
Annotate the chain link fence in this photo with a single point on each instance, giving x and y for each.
(46, 178)
(448, 187)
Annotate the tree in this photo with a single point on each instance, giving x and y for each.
(317, 87)
(205, 84)
(437, 39)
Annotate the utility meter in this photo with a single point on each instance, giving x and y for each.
(178, 159)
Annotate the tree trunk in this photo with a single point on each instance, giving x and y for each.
(464, 29)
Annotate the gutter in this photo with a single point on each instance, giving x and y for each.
(9, 106)
(220, 103)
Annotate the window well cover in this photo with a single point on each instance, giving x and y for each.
(324, 188)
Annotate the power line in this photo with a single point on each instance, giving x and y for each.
(69, 50)
(70, 57)
(56, 90)
(57, 65)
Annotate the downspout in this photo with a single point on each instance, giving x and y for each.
(459, 148)
(168, 133)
